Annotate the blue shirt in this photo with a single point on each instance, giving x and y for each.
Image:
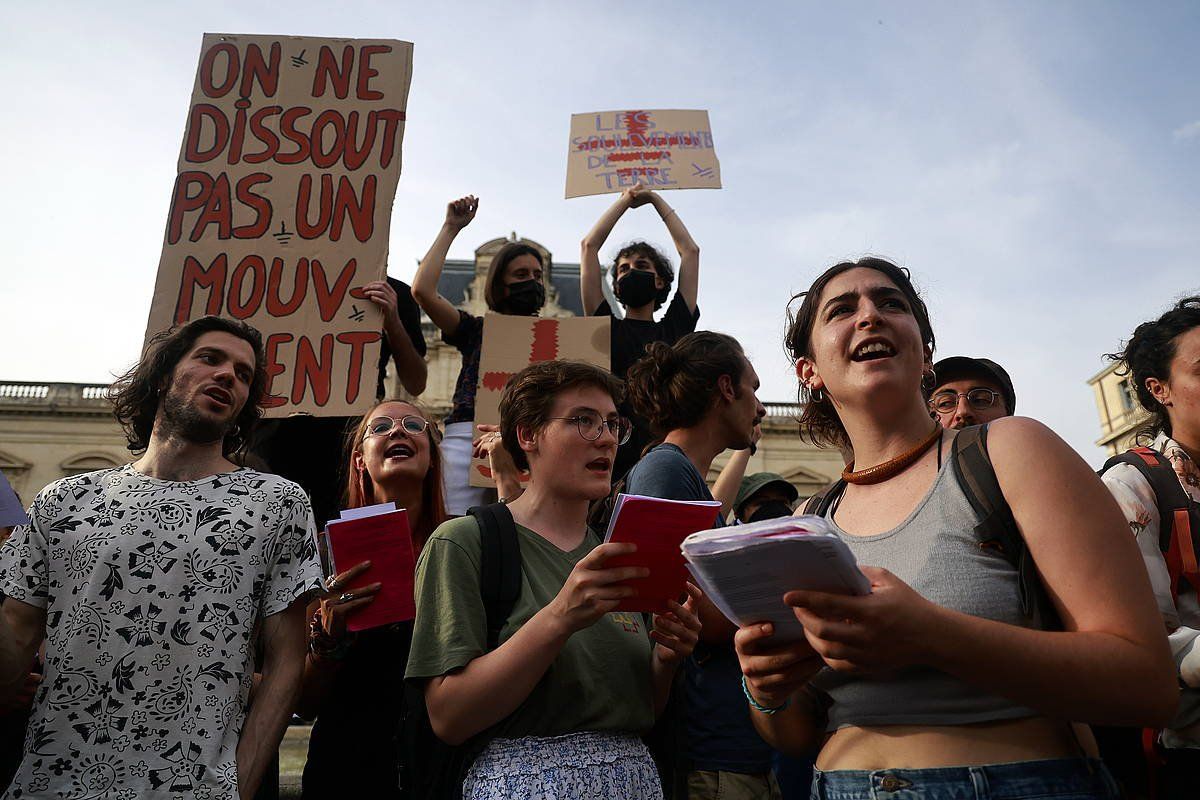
(720, 735)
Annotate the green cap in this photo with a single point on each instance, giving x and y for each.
(752, 484)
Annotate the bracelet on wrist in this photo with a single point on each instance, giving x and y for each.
(323, 646)
(757, 706)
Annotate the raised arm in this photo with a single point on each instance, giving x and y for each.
(410, 366)
(459, 214)
(689, 251)
(589, 256)
(22, 628)
(729, 481)
(284, 645)
(493, 685)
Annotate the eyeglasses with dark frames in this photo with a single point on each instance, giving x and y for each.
(592, 426)
(409, 423)
(978, 399)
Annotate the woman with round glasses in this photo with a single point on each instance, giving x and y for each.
(937, 684)
(351, 680)
(970, 391)
(562, 700)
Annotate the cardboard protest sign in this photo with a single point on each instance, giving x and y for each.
(282, 206)
(613, 150)
(512, 343)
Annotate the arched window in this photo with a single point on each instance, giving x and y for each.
(17, 472)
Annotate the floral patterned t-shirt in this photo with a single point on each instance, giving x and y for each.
(154, 592)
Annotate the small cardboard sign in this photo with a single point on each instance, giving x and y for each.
(665, 149)
(282, 206)
(512, 343)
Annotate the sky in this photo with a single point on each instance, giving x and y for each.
(1035, 165)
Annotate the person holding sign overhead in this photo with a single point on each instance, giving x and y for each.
(350, 682)
(642, 278)
(568, 689)
(940, 681)
(515, 284)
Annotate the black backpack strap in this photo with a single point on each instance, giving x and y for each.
(1158, 472)
(820, 503)
(997, 528)
(500, 566)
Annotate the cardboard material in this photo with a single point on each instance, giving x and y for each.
(282, 206)
(385, 539)
(657, 526)
(665, 149)
(512, 343)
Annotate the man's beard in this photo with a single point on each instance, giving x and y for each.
(185, 421)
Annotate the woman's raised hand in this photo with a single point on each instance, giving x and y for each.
(774, 670)
(591, 590)
(677, 631)
(339, 602)
(460, 212)
(638, 195)
(882, 631)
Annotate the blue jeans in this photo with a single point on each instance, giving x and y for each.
(1061, 779)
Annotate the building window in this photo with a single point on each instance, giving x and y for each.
(1128, 401)
(88, 462)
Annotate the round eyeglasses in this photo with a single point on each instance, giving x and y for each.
(592, 426)
(409, 423)
(979, 399)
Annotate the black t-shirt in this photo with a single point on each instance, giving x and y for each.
(629, 340)
(630, 336)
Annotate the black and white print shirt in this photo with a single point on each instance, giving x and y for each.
(154, 592)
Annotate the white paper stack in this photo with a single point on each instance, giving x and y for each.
(747, 569)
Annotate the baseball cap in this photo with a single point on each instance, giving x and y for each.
(751, 484)
(955, 367)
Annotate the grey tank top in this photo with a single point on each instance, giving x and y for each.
(934, 551)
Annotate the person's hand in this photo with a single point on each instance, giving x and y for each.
(383, 295)
(591, 591)
(460, 212)
(637, 195)
(22, 701)
(677, 631)
(882, 631)
(489, 445)
(774, 670)
(339, 603)
(756, 434)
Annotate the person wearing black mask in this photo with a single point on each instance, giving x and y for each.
(642, 278)
(764, 495)
(515, 284)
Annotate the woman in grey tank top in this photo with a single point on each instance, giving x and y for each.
(935, 685)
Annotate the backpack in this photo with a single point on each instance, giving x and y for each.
(996, 529)
(1178, 514)
(430, 769)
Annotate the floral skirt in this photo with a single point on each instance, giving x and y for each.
(574, 766)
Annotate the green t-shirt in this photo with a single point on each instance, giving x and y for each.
(601, 679)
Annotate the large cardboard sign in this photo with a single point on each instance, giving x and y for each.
(668, 149)
(282, 206)
(512, 343)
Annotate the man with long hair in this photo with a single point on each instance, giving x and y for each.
(154, 583)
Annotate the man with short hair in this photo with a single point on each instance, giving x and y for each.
(970, 391)
(152, 585)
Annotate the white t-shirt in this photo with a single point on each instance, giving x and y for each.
(154, 591)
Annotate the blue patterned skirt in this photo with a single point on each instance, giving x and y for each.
(575, 766)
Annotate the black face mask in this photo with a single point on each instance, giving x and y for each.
(636, 288)
(772, 509)
(525, 298)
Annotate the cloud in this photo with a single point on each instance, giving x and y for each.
(1189, 131)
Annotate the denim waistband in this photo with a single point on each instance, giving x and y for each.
(1076, 778)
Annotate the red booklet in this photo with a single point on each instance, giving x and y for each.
(379, 534)
(658, 527)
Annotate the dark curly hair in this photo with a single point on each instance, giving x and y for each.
(819, 422)
(1149, 353)
(673, 386)
(529, 395)
(662, 265)
(136, 394)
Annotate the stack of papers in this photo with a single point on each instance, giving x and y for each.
(657, 527)
(747, 569)
(379, 534)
